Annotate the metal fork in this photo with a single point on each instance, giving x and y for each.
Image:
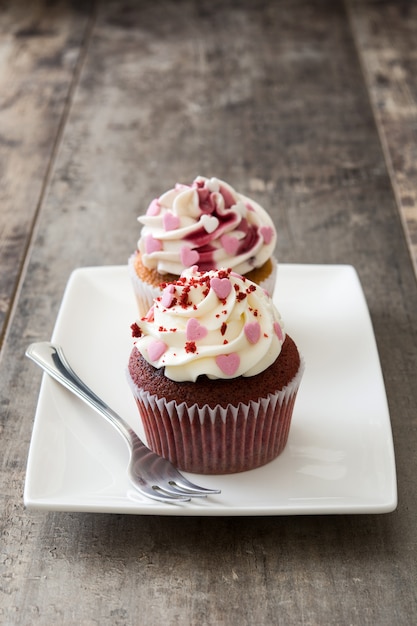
(151, 474)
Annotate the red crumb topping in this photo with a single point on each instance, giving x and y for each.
(223, 328)
(190, 346)
(136, 331)
(183, 299)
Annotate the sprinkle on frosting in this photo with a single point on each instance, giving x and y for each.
(194, 330)
(170, 221)
(221, 287)
(207, 224)
(228, 363)
(136, 331)
(252, 331)
(156, 349)
(215, 323)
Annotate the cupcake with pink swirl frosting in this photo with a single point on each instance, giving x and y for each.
(207, 224)
(214, 374)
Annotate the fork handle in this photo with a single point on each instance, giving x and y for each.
(52, 360)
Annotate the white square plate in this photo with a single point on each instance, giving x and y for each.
(339, 457)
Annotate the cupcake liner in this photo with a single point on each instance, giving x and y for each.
(144, 292)
(219, 440)
(268, 283)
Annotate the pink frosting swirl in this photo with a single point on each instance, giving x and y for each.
(207, 224)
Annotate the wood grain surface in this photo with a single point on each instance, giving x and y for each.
(386, 35)
(272, 97)
(40, 45)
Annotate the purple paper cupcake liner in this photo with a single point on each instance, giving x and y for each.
(218, 440)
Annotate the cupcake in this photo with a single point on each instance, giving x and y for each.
(207, 224)
(214, 374)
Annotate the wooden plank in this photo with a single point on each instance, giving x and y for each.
(386, 35)
(40, 44)
(271, 97)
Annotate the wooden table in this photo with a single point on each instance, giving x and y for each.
(311, 107)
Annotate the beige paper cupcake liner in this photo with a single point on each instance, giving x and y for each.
(145, 293)
(219, 440)
(268, 283)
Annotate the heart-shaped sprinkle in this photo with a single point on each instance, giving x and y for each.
(156, 349)
(267, 234)
(230, 244)
(228, 363)
(278, 331)
(154, 208)
(152, 245)
(170, 221)
(167, 296)
(194, 330)
(189, 256)
(252, 332)
(221, 287)
(209, 223)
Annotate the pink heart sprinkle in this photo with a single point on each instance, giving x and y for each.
(152, 245)
(167, 296)
(252, 332)
(170, 221)
(221, 287)
(278, 331)
(194, 330)
(267, 234)
(230, 244)
(156, 349)
(209, 223)
(228, 363)
(189, 256)
(154, 208)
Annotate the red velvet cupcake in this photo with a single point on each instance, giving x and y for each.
(214, 375)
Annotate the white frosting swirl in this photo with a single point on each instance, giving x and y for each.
(207, 224)
(214, 323)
